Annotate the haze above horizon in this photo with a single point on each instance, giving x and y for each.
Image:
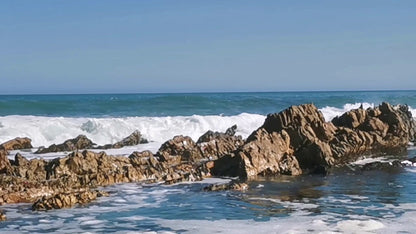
(102, 46)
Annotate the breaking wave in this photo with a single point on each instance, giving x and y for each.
(45, 131)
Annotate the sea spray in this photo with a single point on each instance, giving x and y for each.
(45, 131)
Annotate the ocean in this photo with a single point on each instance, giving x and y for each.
(344, 201)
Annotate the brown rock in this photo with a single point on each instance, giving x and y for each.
(214, 145)
(80, 142)
(298, 139)
(17, 143)
(67, 200)
(5, 166)
(180, 149)
(133, 139)
(2, 216)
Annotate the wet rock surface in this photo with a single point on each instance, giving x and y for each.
(2, 216)
(233, 185)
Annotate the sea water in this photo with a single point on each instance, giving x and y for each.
(344, 201)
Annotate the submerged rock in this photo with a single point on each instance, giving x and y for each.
(2, 216)
(232, 185)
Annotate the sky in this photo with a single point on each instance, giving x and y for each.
(102, 46)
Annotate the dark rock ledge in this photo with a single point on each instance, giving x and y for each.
(294, 141)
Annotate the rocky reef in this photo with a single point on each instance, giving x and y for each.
(295, 141)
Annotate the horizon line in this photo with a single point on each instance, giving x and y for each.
(212, 92)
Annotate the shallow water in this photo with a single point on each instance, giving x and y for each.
(342, 201)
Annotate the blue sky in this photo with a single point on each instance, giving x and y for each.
(202, 46)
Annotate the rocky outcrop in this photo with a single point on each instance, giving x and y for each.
(67, 200)
(133, 139)
(17, 143)
(80, 142)
(180, 149)
(59, 178)
(214, 145)
(5, 166)
(298, 140)
(294, 141)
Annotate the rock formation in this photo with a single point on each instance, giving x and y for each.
(79, 142)
(67, 200)
(17, 143)
(133, 139)
(298, 140)
(214, 145)
(82, 142)
(294, 141)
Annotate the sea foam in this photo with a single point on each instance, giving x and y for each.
(45, 131)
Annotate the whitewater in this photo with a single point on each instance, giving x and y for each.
(44, 131)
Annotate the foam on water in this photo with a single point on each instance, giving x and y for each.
(132, 207)
(45, 131)
(330, 112)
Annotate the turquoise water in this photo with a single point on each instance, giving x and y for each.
(122, 105)
(346, 200)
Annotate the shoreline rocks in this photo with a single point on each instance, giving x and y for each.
(82, 142)
(298, 140)
(67, 200)
(292, 142)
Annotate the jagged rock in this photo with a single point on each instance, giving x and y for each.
(67, 200)
(17, 143)
(231, 130)
(263, 154)
(214, 145)
(180, 149)
(80, 142)
(5, 166)
(133, 139)
(299, 140)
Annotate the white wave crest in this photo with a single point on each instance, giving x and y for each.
(330, 112)
(45, 131)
